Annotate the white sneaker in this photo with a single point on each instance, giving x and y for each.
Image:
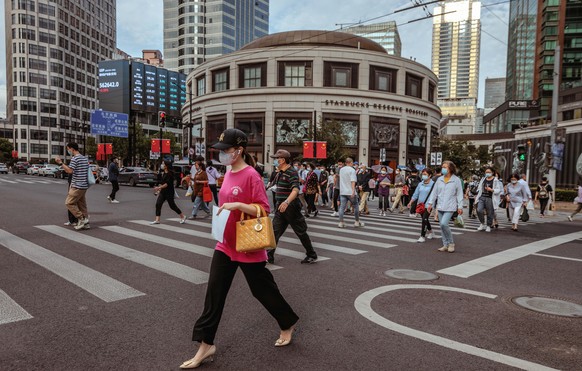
(358, 224)
(109, 198)
(154, 222)
(341, 225)
(481, 227)
(182, 221)
(334, 213)
(114, 201)
(430, 236)
(488, 229)
(81, 223)
(421, 239)
(570, 218)
(68, 223)
(411, 215)
(384, 213)
(381, 213)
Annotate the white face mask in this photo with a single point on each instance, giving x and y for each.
(514, 182)
(163, 166)
(227, 159)
(383, 172)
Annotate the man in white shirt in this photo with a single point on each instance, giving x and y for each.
(348, 179)
(527, 189)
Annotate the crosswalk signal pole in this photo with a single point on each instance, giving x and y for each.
(554, 125)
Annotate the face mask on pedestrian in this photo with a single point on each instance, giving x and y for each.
(444, 171)
(424, 177)
(227, 158)
(513, 181)
(70, 152)
(276, 163)
(383, 172)
(163, 166)
(488, 175)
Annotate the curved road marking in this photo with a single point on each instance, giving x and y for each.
(363, 305)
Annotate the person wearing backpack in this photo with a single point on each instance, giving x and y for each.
(472, 191)
(543, 195)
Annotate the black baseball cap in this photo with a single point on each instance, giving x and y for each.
(231, 138)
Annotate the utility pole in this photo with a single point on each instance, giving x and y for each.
(554, 125)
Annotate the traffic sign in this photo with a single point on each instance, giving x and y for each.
(436, 158)
(200, 149)
(154, 155)
(191, 151)
(112, 124)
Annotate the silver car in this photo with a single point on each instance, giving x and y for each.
(48, 169)
(3, 168)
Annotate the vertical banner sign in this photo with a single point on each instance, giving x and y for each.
(166, 146)
(155, 146)
(321, 150)
(308, 149)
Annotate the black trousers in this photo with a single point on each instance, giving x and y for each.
(263, 288)
(543, 205)
(310, 199)
(162, 197)
(324, 198)
(292, 217)
(425, 223)
(72, 218)
(471, 205)
(214, 189)
(384, 202)
(115, 185)
(335, 199)
(413, 207)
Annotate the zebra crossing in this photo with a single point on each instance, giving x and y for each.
(379, 234)
(21, 179)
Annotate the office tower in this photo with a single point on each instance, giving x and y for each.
(196, 31)
(559, 23)
(494, 93)
(384, 33)
(521, 50)
(456, 43)
(52, 52)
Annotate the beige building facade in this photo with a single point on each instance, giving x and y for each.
(274, 87)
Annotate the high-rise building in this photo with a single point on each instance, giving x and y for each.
(384, 33)
(521, 50)
(198, 30)
(559, 22)
(456, 42)
(52, 52)
(494, 93)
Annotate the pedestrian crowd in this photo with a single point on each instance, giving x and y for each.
(298, 191)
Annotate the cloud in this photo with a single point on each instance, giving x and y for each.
(139, 26)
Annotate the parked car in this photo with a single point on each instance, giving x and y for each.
(3, 168)
(33, 169)
(48, 169)
(20, 167)
(137, 175)
(60, 173)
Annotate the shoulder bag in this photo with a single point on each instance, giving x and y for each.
(255, 233)
(420, 207)
(206, 193)
(90, 177)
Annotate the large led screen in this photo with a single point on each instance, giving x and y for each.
(114, 86)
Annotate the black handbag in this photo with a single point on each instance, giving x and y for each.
(503, 203)
(524, 215)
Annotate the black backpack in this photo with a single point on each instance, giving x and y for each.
(474, 188)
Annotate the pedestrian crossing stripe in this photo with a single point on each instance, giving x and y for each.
(30, 181)
(10, 311)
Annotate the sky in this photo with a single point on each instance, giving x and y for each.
(140, 26)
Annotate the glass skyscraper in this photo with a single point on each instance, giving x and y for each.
(52, 54)
(456, 43)
(384, 33)
(197, 30)
(521, 50)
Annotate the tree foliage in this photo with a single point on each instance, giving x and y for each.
(331, 131)
(468, 158)
(6, 148)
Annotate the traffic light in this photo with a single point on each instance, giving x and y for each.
(521, 152)
(162, 119)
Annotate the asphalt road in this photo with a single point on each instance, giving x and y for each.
(124, 295)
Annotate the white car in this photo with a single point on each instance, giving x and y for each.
(33, 169)
(3, 169)
(48, 169)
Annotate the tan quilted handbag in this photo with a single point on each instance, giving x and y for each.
(255, 233)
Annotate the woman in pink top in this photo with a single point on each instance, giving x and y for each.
(242, 187)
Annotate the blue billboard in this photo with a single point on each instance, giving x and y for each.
(113, 124)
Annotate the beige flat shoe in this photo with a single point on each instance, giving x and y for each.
(193, 363)
(284, 342)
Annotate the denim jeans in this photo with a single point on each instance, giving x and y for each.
(486, 203)
(344, 203)
(444, 219)
(199, 204)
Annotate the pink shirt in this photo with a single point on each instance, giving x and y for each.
(244, 186)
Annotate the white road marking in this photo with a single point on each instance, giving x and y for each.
(10, 311)
(384, 228)
(485, 263)
(408, 223)
(151, 261)
(357, 231)
(558, 257)
(7, 181)
(363, 305)
(96, 283)
(208, 236)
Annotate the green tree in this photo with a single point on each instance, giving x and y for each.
(6, 148)
(468, 158)
(331, 131)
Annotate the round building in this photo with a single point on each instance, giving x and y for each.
(275, 87)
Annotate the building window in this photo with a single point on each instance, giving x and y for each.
(431, 89)
(413, 86)
(383, 79)
(220, 80)
(295, 74)
(253, 76)
(340, 75)
(200, 86)
(293, 129)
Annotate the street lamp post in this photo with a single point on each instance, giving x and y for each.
(189, 125)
